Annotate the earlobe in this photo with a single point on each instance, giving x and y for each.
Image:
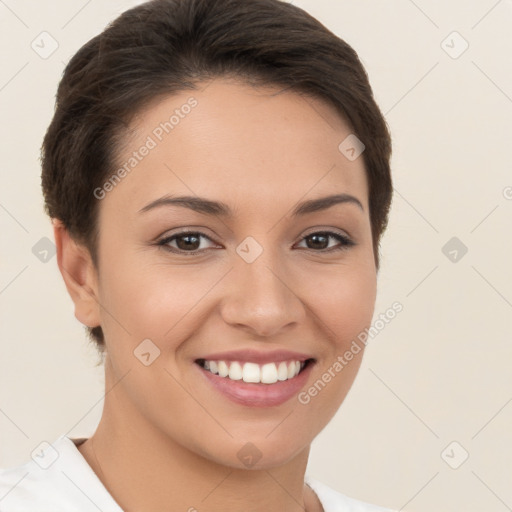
(79, 274)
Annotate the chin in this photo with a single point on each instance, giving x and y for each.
(257, 452)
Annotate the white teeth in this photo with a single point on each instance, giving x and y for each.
(235, 371)
(291, 369)
(223, 369)
(251, 372)
(282, 371)
(268, 373)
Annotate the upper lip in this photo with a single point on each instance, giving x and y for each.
(257, 356)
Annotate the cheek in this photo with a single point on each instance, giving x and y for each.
(356, 302)
(153, 301)
(344, 301)
(344, 304)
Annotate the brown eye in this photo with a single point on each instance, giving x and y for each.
(186, 242)
(319, 241)
(189, 242)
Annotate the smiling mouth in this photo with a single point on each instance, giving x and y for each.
(250, 372)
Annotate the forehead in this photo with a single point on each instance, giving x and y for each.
(227, 140)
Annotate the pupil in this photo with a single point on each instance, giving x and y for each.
(323, 239)
(188, 244)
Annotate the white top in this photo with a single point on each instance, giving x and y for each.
(59, 479)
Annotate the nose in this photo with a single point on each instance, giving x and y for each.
(261, 298)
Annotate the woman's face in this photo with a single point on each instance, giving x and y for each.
(260, 282)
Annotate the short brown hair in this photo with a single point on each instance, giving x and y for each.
(167, 46)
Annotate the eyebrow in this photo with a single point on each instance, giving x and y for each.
(209, 207)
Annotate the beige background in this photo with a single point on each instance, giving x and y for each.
(438, 373)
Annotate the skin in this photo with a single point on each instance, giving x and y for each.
(166, 436)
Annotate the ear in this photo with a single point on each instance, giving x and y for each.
(77, 269)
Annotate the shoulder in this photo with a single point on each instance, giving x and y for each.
(334, 501)
(56, 478)
(26, 478)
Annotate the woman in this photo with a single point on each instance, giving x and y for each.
(217, 173)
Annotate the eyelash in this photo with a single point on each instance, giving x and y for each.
(346, 242)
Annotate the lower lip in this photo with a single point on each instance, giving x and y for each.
(257, 394)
